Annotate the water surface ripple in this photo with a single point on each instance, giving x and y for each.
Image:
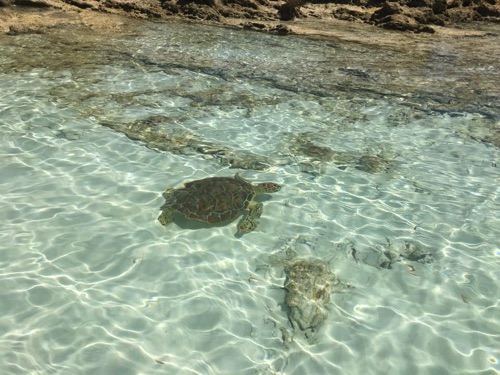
(389, 164)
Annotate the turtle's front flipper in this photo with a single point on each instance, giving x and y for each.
(250, 222)
(166, 217)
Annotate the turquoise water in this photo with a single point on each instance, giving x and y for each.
(378, 151)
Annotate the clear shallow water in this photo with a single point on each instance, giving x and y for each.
(92, 283)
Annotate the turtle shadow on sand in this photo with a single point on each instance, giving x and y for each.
(216, 201)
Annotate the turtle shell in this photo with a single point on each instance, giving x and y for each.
(212, 200)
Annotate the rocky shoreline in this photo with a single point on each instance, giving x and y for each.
(275, 16)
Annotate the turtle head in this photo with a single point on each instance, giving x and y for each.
(267, 187)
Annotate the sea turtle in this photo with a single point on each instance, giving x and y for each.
(217, 200)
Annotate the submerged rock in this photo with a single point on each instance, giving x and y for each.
(308, 286)
(312, 157)
(481, 130)
(183, 142)
(392, 252)
(374, 164)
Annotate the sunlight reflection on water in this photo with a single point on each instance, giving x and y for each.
(400, 200)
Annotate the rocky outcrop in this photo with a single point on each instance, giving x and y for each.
(418, 15)
(404, 15)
